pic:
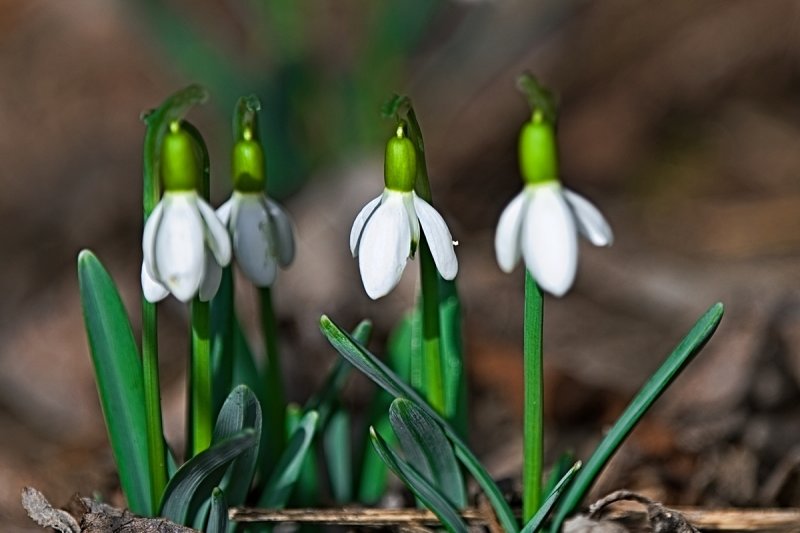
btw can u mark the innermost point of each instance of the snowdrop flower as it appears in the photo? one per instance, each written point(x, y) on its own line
point(185, 245)
point(262, 233)
point(542, 222)
point(387, 230)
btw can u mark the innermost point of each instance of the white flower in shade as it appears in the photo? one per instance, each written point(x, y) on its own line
point(385, 234)
point(185, 247)
point(262, 235)
point(541, 224)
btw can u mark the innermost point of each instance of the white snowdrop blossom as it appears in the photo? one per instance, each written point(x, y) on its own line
point(185, 247)
point(385, 234)
point(541, 224)
point(262, 235)
point(387, 230)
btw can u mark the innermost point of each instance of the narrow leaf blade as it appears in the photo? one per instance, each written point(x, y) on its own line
point(422, 489)
point(218, 516)
point(374, 369)
point(118, 374)
point(650, 392)
point(427, 450)
point(536, 521)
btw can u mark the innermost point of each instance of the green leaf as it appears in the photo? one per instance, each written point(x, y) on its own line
point(338, 449)
point(563, 464)
point(218, 516)
point(374, 369)
point(305, 491)
point(455, 374)
point(681, 356)
point(192, 484)
point(118, 373)
point(223, 323)
point(422, 489)
point(427, 450)
point(550, 501)
point(240, 411)
point(279, 487)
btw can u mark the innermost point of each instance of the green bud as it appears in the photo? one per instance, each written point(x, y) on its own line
point(247, 166)
point(538, 153)
point(400, 165)
point(180, 170)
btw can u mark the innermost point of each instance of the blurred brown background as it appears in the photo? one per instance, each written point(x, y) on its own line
point(680, 119)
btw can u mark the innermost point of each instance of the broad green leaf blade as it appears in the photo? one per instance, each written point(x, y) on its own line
point(681, 356)
point(240, 411)
point(537, 520)
point(279, 487)
point(218, 516)
point(428, 450)
point(422, 489)
point(118, 373)
point(194, 481)
point(338, 449)
point(374, 369)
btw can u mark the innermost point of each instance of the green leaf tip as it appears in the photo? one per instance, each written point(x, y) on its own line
point(540, 98)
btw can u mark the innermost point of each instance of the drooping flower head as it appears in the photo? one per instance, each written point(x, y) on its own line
point(262, 233)
point(542, 222)
point(386, 231)
point(184, 244)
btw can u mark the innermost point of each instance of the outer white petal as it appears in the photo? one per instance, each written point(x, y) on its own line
point(282, 234)
point(217, 238)
point(384, 247)
point(439, 238)
point(224, 211)
point(153, 291)
point(508, 238)
point(179, 248)
point(549, 240)
point(149, 239)
point(211, 280)
point(252, 241)
point(590, 221)
point(361, 219)
point(413, 218)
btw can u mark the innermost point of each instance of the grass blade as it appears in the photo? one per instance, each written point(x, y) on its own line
point(374, 369)
point(426, 449)
point(536, 521)
point(663, 377)
point(118, 374)
point(421, 487)
point(191, 486)
point(279, 487)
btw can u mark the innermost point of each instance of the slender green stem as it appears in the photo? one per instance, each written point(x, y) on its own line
point(200, 379)
point(533, 431)
point(275, 407)
point(431, 345)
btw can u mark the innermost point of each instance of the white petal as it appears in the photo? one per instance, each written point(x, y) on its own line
point(358, 224)
point(217, 238)
point(439, 238)
point(211, 280)
point(153, 291)
point(590, 221)
point(252, 241)
point(149, 239)
point(179, 248)
point(508, 238)
point(224, 211)
point(282, 234)
point(384, 247)
point(413, 219)
point(549, 240)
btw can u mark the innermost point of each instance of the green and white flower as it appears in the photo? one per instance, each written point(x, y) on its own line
point(184, 244)
point(542, 222)
point(387, 230)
